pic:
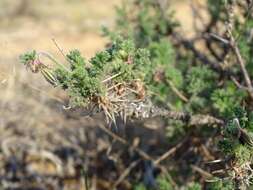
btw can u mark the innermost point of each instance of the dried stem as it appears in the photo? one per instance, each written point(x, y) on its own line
point(202, 172)
point(125, 173)
point(168, 153)
point(52, 59)
point(112, 77)
point(242, 66)
point(59, 48)
point(187, 118)
point(233, 43)
point(177, 92)
point(143, 154)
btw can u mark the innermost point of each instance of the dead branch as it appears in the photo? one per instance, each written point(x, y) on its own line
point(202, 172)
point(169, 152)
point(177, 92)
point(125, 173)
point(234, 46)
point(143, 154)
point(191, 120)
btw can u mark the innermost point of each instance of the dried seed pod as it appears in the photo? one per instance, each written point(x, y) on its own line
point(49, 76)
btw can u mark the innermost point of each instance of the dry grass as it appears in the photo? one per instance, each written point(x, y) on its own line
point(73, 25)
point(31, 114)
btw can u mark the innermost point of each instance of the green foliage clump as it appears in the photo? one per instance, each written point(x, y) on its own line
point(164, 183)
point(245, 43)
point(140, 187)
point(216, 9)
point(238, 137)
point(164, 71)
point(227, 99)
point(221, 184)
point(200, 82)
point(79, 84)
point(242, 153)
point(205, 90)
point(194, 186)
point(145, 21)
point(175, 131)
point(28, 57)
point(85, 80)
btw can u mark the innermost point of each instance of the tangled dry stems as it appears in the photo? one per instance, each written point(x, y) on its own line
point(121, 99)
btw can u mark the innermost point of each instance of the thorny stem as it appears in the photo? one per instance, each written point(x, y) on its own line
point(191, 120)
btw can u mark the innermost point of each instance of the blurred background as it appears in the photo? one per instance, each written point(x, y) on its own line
point(42, 145)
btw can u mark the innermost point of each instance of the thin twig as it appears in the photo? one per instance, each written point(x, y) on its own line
point(238, 84)
point(219, 38)
point(125, 173)
point(168, 153)
point(58, 47)
point(243, 68)
point(177, 92)
point(143, 154)
point(202, 172)
point(233, 43)
point(50, 57)
point(189, 45)
point(112, 77)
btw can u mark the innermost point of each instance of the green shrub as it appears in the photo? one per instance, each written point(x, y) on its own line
point(149, 64)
